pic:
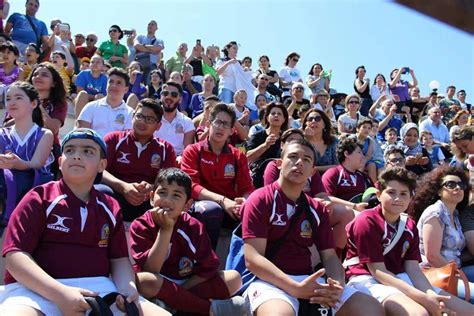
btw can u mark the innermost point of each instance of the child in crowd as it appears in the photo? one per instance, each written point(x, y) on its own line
point(65, 239)
point(435, 152)
point(25, 147)
point(390, 138)
point(173, 254)
point(242, 113)
point(388, 269)
point(62, 61)
point(9, 69)
point(364, 127)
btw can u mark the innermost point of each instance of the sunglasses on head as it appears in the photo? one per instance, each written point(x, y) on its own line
point(316, 118)
point(174, 94)
point(454, 184)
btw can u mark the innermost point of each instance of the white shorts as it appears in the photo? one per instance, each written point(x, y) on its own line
point(370, 286)
point(260, 292)
point(17, 294)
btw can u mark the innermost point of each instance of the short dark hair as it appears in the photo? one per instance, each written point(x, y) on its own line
point(462, 91)
point(173, 84)
point(364, 121)
point(310, 72)
point(398, 174)
point(464, 133)
point(32, 95)
point(347, 144)
point(222, 107)
point(119, 72)
point(153, 105)
point(246, 58)
point(11, 47)
point(450, 87)
point(212, 98)
point(266, 57)
point(302, 142)
point(391, 129)
point(270, 107)
point(225, 50)
point(290, 132)
point(393, 149)
point(357, 69)
point(170, 175)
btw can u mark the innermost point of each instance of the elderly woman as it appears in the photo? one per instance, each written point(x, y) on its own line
point(417, 158)
point(459, 120)
point(112, 51)
point(440, 197)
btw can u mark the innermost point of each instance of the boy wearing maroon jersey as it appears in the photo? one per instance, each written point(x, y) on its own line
point(288, 276)
point(65, 239)
point(134, 158)
point(173, 254)
point(393, 276)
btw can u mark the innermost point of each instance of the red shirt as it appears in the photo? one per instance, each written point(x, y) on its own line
point(341, 183)
point(369, 234)
point(313, 186)
point(131, 162)
point(189, 253)
point(82, 51)
point(227, 174)
point(66, 237)
point(267, 214)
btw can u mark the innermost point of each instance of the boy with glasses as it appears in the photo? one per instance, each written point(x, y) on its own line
point(134, 158)
point(176, 128)
point(220, 173)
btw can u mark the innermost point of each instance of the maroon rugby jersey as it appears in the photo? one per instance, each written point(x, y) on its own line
point(189, 253)
point(341, 183)
point(369, 234)
point(67, 237)
point(267, 214)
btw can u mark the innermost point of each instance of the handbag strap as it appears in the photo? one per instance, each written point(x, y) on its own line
point(400, 229)
point(467, 290)
point(33, 26)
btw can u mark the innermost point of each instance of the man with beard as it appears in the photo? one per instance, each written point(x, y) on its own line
point(176, 128)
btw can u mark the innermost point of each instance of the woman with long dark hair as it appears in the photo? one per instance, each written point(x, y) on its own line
point(362, 88)
point(440, 197)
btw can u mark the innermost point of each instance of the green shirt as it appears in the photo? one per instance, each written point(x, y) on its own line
point(175, 63)
point(109, 49)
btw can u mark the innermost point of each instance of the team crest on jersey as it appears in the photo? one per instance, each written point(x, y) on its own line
point(229, 171)
point(104, 235)
point(406, 245)
point(179, 129)
point(120, 119)
point(123, 157)
point(306, 230)
point(185, 266)
point(59, 224)
point(155, 161)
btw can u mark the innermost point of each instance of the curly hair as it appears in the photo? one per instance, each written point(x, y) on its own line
point(347, 144)
point(328, 135)
point(427, 192)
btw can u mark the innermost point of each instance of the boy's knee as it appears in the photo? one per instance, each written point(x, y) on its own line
point(148, 284)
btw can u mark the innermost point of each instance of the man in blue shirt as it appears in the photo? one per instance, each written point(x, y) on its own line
point(26, 28)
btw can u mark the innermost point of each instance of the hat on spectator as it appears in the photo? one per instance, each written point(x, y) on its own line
point(85, 59)
point(115, 26)
point(405, 128)
point(85, 133)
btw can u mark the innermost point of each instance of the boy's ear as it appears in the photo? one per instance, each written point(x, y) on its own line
point(188, 205)
point(102, 165)
point(158, 126)
point(152, 195)
point(378, 194)
point(278, 163)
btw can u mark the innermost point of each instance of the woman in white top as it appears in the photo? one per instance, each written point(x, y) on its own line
point(379, 87)
point(347, 122)
point(226, 69)
point(289, 74)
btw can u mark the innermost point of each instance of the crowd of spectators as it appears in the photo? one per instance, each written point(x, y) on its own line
point(238, 144)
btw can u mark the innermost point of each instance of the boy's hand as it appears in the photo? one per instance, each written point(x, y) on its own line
point(162, 217)
point(72, 301)
point(131, 294)
point(309, 288)
point(131, 193)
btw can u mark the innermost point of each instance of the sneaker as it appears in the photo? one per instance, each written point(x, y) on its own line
point(233, 306)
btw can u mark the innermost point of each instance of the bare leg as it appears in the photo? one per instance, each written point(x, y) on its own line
point(401, 305)
point(339, 218)
point(22, 310)
point(81, 100)
point(232, 280)
point(275, 308)
point(361, 304)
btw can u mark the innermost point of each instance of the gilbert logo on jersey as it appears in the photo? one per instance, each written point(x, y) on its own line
point(123, 157)
point(59, 224)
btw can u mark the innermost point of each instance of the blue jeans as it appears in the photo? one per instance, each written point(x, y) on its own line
point(469, 272)
point(226, 95)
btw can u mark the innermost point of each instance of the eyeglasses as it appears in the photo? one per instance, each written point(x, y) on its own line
point(396, 160)
point(263, 78)
point(298, 88)
point(317, 118)
point(147, 119)
point(90, 39)
point(451, 185)
point(79, 36)
point(174, 94)
point(113, 30)
point(353, 102)
point(295, 59)
point(219, 123)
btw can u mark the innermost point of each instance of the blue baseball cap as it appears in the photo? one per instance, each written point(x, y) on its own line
point(85, 133)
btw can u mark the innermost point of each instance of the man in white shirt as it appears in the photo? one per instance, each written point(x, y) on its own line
point(110, 113)
point(176, 128)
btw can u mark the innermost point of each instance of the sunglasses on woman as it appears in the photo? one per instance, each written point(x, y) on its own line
point(453, 185)
point(314, 118)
